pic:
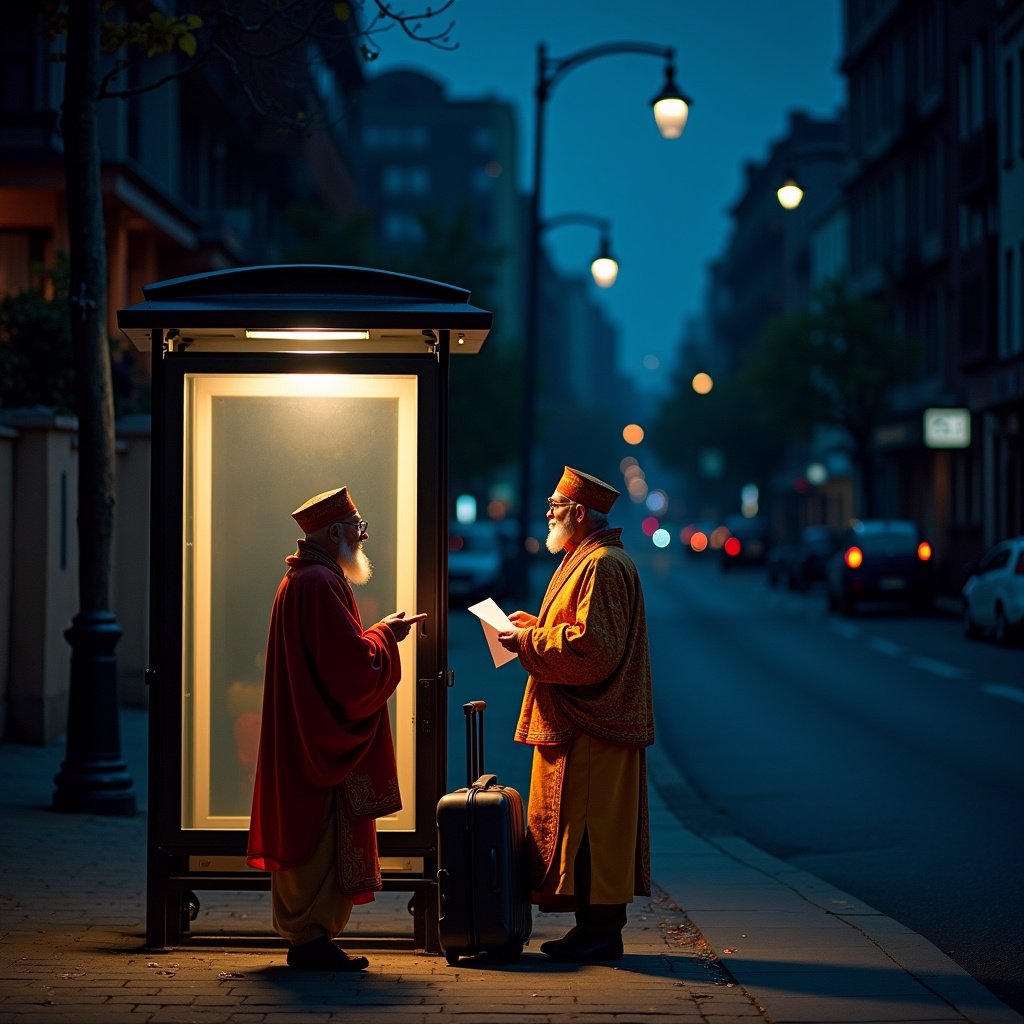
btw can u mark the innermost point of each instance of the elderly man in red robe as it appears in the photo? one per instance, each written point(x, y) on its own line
point(588, 713)
point(326, 765)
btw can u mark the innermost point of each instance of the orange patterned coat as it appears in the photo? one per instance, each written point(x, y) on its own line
point(590, 672)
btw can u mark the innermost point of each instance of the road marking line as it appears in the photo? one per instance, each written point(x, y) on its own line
point(939, 668)
point(883, 646)
point(1002, 690)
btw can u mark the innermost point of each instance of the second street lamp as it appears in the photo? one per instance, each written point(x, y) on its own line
point(671, 109)
point(604, 267)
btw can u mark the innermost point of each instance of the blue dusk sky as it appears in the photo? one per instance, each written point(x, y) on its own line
point(746, 64)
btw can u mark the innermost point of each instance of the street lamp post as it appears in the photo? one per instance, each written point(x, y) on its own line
point(671, 109)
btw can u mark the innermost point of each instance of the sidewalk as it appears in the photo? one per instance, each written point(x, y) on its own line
point(731, 934)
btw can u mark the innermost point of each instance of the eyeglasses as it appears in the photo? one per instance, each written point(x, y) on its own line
point(360, 525)
point(552, 505)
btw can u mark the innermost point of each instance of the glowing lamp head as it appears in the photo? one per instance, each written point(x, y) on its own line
point(790, 194)
point(605, 269)
point(671, 107)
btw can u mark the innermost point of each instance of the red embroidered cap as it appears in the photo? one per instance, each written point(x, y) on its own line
point(587, 490)
point(324, 509)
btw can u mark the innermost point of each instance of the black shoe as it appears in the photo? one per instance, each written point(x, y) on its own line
point(323, 955)
point(585, 949)
point(554, 946)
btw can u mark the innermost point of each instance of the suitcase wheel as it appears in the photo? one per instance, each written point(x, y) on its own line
point(452, 959)
point(507, 954)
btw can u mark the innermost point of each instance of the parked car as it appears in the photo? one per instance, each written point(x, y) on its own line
point(802, 563)
point(476, 562)
point(993, 596)
point(746, 543)
point(882, 560)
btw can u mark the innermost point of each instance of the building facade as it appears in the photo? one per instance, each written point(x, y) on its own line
point(931, 207)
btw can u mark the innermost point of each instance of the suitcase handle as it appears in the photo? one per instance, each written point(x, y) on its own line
point(485, 781)
point(474, 711)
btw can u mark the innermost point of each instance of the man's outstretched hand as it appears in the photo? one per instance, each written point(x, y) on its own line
point(400, 624)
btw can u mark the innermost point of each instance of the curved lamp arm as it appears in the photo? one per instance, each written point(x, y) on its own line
point(604, 267)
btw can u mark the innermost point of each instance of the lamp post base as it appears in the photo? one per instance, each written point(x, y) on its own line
point(93, 778)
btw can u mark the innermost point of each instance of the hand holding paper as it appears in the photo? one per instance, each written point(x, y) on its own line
point(493, 621)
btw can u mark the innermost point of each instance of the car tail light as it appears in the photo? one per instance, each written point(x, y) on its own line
point(732, 546)
point(924, 551)
point(854, 557)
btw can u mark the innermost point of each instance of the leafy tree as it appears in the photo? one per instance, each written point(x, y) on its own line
point(834, 363)
point(35, 343)
point(717, 442)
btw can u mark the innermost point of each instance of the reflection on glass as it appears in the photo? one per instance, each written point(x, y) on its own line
point(256, 446)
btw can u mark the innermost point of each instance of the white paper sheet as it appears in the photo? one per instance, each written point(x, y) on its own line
point(494, 621)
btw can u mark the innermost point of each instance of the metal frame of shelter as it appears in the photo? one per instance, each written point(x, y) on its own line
point(288, 330)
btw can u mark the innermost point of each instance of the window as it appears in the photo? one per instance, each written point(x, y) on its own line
point(20, 90)
point(964, 82)
point(930, 48)
point(401, 227)
point(931, 331)
point(1020, 101)
point(932, 188)
point(484, 139)
point(1017, 341)
point(405, 180)
point(1009, 312)
point(395, 137)
point(1008, 119)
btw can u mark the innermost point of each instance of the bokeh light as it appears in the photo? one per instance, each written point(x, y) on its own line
point(657, 501)
point(632, 433)
point(651, 361)
point(626, 463)
point(649, 526)
point(661, 538)
point(702, 383)
point(698, 541)
point(637, 488)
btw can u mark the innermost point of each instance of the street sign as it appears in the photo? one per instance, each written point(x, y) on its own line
point(947, 428)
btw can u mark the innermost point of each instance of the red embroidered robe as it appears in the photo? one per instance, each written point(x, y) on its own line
point(325, 724)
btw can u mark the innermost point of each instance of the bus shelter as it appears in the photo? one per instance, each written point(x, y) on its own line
point(271, 384)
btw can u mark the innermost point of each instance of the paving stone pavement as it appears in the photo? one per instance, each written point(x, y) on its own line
point(730, 935)
point(72, 930)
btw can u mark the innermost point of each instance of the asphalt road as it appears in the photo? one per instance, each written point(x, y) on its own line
point(883, 753)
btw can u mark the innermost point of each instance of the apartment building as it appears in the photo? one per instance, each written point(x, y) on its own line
point(926, 197)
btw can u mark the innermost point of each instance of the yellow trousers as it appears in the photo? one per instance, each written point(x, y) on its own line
point(308, 901)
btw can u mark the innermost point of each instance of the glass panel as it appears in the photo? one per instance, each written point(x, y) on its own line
point(257, 446)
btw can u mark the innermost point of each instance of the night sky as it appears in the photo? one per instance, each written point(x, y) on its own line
point(745, 63)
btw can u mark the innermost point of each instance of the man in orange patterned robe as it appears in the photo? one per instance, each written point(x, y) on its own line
point(588, 713)
point(326, 764)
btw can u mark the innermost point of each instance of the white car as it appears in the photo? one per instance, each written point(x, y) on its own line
point(993, 596)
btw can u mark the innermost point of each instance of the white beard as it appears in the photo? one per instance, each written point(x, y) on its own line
point(558, 536)
point(357, 567)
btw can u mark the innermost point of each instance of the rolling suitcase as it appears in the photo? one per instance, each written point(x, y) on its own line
point(482, 876)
